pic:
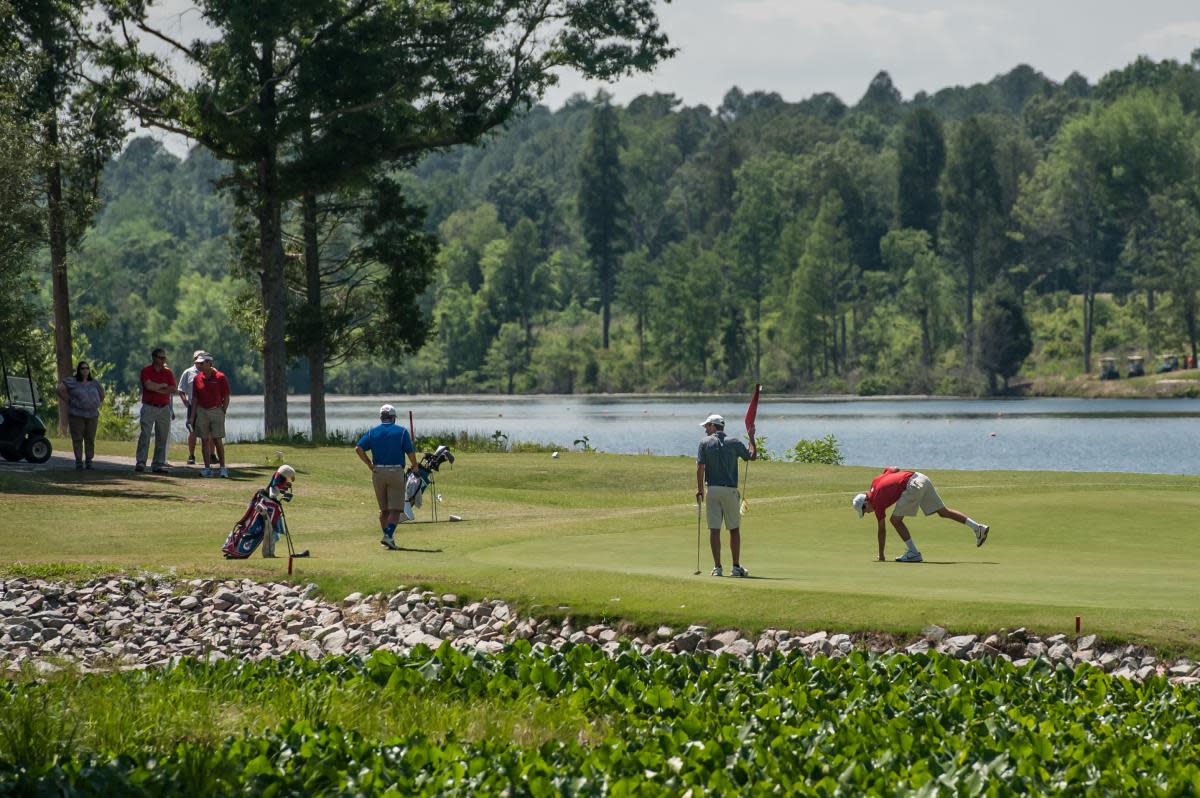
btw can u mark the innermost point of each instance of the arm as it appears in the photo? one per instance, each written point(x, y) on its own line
point(882, 537)
point(225, 397)
point(753, 443)
point(61, 389)
point(100, 391)
point(362, 455)
point(699, 481)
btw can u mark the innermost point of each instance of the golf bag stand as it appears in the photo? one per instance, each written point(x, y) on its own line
point(422, 477)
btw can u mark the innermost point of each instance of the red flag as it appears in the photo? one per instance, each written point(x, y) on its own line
point(752, 410)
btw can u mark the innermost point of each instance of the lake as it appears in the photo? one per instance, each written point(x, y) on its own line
point(1134, 435)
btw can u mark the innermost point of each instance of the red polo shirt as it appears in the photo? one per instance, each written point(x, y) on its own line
point(886, 489)
point(210, 391)
point(155, 375)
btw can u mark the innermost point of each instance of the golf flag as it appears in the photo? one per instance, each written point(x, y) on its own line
point(751, 414)
point(752, 410)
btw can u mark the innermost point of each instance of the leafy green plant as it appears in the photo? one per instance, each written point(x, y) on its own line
point(818, 451)
point(117, 421)
point(584, 444)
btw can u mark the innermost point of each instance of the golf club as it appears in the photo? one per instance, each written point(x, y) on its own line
point(697, 571)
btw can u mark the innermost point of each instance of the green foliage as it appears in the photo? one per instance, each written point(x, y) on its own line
point(818, 451)
point(523, 721)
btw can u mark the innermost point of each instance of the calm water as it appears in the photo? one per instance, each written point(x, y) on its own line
point(1149, 436)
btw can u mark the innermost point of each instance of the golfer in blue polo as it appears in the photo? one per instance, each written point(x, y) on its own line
point(388, 443)
point(717, 468)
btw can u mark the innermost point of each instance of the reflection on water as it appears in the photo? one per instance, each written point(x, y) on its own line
point(1151, 436)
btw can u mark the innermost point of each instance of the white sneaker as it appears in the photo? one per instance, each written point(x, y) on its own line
point(738, 570)
point(981, 534)
point(206, 472)
point(390, 543)
point(224, 472)
point(408, 511)
point(910, 556)
point(716, 571)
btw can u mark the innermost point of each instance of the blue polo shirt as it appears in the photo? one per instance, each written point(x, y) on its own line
point(389, 441)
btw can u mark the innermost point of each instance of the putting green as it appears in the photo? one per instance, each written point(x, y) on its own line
point(604, 535)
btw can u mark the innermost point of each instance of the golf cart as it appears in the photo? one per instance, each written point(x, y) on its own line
point(1137, 367)
point(22, 433)
point(1169, 363)
point(1108, 369)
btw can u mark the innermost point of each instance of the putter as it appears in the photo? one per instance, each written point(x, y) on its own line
point(697, 572)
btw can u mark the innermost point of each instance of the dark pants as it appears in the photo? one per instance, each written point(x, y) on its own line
point(83, 436)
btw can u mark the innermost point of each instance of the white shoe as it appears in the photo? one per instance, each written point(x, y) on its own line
point(910, 556)
point(224, 472)
point(206, 472)
point(738, 570)
point(408, 511)
point(716, 571)
point(390, 543)
point(981, 534)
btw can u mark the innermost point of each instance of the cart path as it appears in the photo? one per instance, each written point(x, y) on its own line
point(65, 461)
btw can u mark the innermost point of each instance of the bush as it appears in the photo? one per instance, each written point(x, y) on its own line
point(875, 385)
point(820, 451)
point(117, 422)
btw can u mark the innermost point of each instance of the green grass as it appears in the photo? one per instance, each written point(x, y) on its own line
point(615, 536)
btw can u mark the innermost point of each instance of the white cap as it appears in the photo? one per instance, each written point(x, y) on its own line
point(388, 411)
point(196, 355)
point(714, 419)
point(201, 356)
point(858, 503)
point(287, 472)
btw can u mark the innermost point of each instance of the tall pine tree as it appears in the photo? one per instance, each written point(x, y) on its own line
point(602, 208)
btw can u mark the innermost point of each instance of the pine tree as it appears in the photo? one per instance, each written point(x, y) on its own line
point(602, 208)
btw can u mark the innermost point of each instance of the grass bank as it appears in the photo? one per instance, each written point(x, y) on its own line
point(1174, 385)
point(615, 536)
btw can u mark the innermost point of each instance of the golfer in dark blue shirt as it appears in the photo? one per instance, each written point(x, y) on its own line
point(389, 443)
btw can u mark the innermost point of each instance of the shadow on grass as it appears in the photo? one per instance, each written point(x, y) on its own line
point(95, 484)
point(418, 551)
point(953, 562)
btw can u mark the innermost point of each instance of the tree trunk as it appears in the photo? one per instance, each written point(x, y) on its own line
point(1089, 300)
point(606, 295)
point(1149, 324)
point(60, 294)
point(926, 341)
point(270, 223)
point(316, 349)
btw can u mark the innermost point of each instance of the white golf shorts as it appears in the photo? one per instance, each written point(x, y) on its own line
point(723, 502)
point(918, 495)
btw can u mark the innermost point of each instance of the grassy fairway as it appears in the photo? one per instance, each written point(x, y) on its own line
point(608, 535)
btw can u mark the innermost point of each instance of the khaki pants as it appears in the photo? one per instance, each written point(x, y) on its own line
point(723, 501)
point(389, 487)
point(918, 494)
point(83, 436)
point(157, 421)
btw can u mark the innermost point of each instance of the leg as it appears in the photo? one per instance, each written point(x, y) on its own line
point(953, 515)
point(145, 427)
point(206, 450)
point(220, 444)
point(191, 443)
point(901, 528)
point(714, 542)
point(89, 439)
point(735, 545)
point(980, 530)
point(162, 435)
point(76, 425)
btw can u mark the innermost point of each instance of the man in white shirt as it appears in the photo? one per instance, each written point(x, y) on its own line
point(185, 390)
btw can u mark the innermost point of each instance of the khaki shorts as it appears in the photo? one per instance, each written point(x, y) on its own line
point(389, 487)
point(210, 423)
point(919, 494)
point(724, 502)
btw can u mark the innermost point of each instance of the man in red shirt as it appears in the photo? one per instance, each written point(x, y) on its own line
point(210, 394)
point(909, 491)
point(158, 386)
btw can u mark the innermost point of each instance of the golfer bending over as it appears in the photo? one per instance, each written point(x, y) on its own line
point(717, 466)
point(909, 491)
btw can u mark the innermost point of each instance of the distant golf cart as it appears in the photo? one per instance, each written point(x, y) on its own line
point(1108, 369)
point(1169, 363)
point(1137, 366)
point(22, 433)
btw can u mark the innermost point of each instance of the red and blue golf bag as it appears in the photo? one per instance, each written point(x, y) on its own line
point(263, 518)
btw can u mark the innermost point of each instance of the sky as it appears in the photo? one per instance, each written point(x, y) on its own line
point(798, 48)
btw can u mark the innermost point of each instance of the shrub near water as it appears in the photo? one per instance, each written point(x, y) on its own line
point(656, 725)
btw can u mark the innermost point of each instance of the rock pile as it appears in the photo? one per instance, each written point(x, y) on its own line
point(141, 622)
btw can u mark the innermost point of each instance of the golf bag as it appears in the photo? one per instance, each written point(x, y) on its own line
point(263, 522)
point(422, 478)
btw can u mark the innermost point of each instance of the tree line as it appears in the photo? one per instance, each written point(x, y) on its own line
point(355, 238)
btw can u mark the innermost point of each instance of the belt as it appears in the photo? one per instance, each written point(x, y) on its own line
point(379, 467)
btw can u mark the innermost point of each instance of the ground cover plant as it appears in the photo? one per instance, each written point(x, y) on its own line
point(592, 535)
point(577, 722)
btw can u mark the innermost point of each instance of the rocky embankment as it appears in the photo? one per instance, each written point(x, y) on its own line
point(143, 622)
